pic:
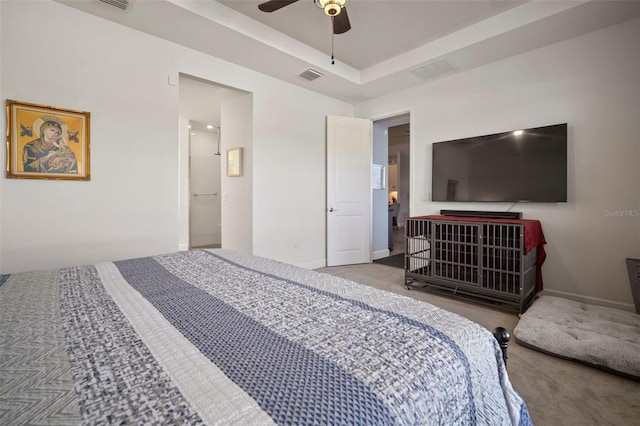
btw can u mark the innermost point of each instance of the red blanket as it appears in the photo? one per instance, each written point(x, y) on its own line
point(533, 236)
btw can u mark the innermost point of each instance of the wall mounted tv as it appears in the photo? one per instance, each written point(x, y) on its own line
point(521, 165)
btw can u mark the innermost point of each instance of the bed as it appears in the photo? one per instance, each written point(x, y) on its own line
point(222, 337)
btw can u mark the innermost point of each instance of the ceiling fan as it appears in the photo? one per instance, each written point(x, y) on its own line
point(336, 9)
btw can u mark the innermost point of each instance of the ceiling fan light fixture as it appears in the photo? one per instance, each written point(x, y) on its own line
point(331, 7)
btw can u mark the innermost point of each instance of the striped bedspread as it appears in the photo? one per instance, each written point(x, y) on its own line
point(221, 337)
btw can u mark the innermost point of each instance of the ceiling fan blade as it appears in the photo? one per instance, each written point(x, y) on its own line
point(273, 5)
point(341, 22)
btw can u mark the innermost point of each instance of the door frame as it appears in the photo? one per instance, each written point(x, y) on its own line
point(231, 212)
point(389, 116)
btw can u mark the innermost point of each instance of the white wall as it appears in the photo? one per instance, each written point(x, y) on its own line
point(592, 82)
point(130, 207)
point(237, 191)
point(184, 184)
point(4, 121)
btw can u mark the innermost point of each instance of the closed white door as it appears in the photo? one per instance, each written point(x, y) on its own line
point(205, 207)
point(349, 159)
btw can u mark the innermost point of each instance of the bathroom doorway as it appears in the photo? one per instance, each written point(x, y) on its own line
point(205, 207)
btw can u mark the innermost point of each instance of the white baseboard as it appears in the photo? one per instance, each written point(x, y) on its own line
point(380, 254)
point(183, 247)
point(321, 263)
point(315, 264)
point(591, 300)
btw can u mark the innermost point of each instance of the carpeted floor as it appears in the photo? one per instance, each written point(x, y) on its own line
point(557, 391)
point(397, 260)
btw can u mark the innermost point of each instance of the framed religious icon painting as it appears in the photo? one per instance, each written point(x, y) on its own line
point(234, 162)
point(45, 142)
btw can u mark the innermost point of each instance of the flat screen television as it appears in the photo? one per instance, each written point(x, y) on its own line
point(523, 165)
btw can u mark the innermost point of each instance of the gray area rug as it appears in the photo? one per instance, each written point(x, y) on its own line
point(397, 260)
point(598, 336)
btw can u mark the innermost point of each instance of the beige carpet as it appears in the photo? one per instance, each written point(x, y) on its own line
point(557, 391)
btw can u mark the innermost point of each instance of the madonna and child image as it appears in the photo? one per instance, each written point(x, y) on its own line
point(49, 153)
point(46, 142)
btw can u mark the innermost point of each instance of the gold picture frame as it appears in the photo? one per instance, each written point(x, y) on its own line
point(234, 162)
point(45, 142)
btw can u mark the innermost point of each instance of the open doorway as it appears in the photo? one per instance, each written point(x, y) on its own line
point(200, 111)
point(399, 172)
point(205, 207)
point(392, 136)
point(215, 209)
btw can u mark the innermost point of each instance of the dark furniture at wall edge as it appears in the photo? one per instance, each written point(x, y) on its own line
point(492, 260)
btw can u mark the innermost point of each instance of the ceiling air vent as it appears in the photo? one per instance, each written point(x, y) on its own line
point(432, 69)
point(310, 74)
point(120, 4)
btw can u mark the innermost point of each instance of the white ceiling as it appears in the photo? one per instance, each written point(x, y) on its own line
point(380, 29)
point(393, 44)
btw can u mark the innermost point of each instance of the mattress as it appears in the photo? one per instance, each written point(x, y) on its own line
point(222, 337)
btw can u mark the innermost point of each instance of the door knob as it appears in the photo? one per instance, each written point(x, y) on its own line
point(333, 210)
